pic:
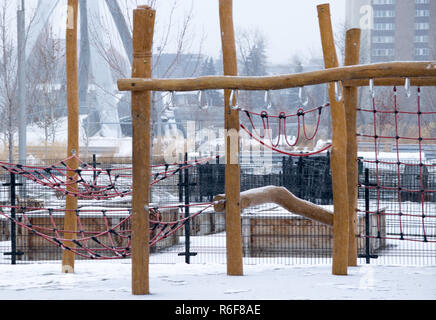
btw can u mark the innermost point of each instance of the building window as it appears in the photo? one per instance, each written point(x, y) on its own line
point(383, 39)
point(422, 52)
point(384, 26)
point(422, 1)
point(422, 26)
point(383, 1)
point(385, 13)
point(382, 52)
point(422, 13)
point(421, 39)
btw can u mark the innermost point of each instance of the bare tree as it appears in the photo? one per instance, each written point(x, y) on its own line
point(251, 49)
point(45, 81)
point(8, 79)
point(174, 39)
point(9, 73)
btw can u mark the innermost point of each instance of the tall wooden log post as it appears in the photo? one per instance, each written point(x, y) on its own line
point(232, 126)
point(70, 222)
point(143, 30)
point(352, 57)
point(339, 150)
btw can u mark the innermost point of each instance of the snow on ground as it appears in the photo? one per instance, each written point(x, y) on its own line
point(111, 281)
point(207, 280)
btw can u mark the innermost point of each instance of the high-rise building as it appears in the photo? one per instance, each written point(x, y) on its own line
point(395, 30)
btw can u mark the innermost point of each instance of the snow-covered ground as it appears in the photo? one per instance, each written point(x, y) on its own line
point(111, 281)
point(206, 279)
point(99, 280)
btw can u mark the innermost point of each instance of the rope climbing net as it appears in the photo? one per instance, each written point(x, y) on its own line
point(113, 241)
point(410, 211)
point(106, 239)
point(88, 182)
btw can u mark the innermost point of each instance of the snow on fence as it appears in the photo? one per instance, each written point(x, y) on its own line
point(270, 234)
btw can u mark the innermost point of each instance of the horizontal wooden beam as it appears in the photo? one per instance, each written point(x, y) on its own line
point(391, 73)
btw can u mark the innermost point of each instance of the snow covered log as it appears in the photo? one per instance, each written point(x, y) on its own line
point(282, 197)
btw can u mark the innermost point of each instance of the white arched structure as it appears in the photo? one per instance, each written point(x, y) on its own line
point(93, 67)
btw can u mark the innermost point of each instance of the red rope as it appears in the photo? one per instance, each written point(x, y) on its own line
point(91, 190)
point(298, 132)
point(400, 188)
point(82, 245)
point(302, 154)
point(301, 113)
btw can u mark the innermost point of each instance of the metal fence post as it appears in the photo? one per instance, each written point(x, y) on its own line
point(368, 256)
point(13, 197)
point(180, 184)
point(300, 180)
point(94, 165)
point(367, 244)
point(187, 185)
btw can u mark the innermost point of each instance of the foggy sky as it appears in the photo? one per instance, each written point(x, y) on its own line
point(290, 26)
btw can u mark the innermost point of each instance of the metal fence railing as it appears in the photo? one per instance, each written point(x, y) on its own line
point(270, 234)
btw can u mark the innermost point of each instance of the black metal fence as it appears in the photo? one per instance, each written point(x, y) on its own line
point(397, 203)
point(270, 234)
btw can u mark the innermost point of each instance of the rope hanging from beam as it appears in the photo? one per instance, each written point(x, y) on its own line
point(282, 120)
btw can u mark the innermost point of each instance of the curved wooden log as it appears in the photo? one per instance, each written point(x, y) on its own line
point(282, 197)
point(395, 70)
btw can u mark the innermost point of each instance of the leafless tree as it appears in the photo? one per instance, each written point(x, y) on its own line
point(251, 45)
point(8, 79)
point(174, 36)
point(45, 83)
point(8, 73)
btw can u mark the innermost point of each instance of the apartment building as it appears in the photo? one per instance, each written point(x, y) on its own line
point(400, 30)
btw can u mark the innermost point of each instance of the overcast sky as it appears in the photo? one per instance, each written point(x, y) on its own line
point(290, 26)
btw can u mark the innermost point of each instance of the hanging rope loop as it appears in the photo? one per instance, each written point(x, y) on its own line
point(371, 88)
point(233, 101)
point(338, 91)
point(303, 98)
point(407, 87)
point(268, 100)
point(203, 101)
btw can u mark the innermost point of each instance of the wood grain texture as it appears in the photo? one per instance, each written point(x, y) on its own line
point(232, 127)
point(282, 197)
point(352, 57)
point(70, 222)
point(143, 31)
point(385, 74)
point(339, 149)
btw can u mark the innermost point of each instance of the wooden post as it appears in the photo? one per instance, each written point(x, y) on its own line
point(352, 57)
point(70, 222)
point(339, 150)
point(232, 126)
point(143, 30)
